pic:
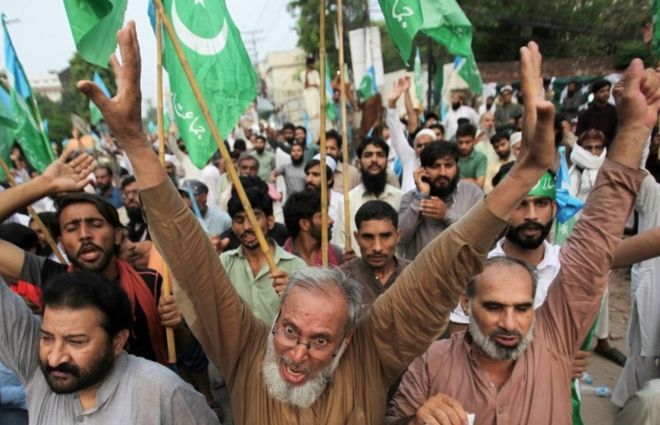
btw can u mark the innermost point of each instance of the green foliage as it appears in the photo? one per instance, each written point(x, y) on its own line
point(81, 70)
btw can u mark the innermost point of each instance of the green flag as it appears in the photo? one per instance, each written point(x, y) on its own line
point(7, 126)
point(329, 104)
point(215, 51)
point(656, 29)
point(470, 74)
point(95, 113)
point(36, 148)
point(419, 84)
point(443, 21)
point(94, 25)
point(368, 87)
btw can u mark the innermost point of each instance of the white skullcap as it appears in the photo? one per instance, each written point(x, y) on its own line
point(170, 158)
point(426, 132)
point(329, 161)
point(515, 138)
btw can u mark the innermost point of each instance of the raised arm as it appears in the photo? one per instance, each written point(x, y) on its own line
point(399, 142)
point(218, 317)
point(638, 248)
point(416, 309)
point(587, 256)
point(411, 113)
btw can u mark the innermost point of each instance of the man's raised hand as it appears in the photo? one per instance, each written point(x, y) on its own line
point(122, 113)
point(400, 86)
point(538, 142)
point(69, 176)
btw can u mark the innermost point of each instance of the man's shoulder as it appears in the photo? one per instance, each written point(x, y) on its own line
point(469, 190)
point(153, 374)
point(287, 259)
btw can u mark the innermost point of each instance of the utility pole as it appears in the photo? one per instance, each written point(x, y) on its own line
point(251, 39)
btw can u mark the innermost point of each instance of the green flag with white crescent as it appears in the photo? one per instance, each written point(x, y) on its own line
point(329, 104)
point(221, 65)
point(94, 25)
point(419, 84)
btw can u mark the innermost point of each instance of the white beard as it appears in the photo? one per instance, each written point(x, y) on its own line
point(303, 395)
point(493, 349)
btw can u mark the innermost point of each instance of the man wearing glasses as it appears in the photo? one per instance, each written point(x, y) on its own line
point(317, 364)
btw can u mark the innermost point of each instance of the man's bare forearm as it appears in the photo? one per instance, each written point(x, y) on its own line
point(19, 197)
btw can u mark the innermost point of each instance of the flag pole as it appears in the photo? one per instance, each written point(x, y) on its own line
point(344, 128)
point(35, 217)
point(166, 288)
point(323, 167)
point(229, 164)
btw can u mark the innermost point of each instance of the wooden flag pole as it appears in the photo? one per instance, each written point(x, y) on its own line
point(323, 167)
point(344, 128)
point(166, 288)
point(35, 217)
point(229, 164)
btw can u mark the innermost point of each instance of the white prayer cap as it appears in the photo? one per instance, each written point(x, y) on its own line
point(170, 158)
point(425, 132)
point(329, 161)
point(505, 88)
point(515, 138)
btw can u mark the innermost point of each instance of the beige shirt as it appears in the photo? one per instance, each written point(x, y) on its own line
point(401, 325)
point(538, 390)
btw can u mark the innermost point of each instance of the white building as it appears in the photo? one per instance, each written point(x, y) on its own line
point(48, 85)
point(281, 73)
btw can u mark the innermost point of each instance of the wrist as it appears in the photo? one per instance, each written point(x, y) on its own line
point(391, 103)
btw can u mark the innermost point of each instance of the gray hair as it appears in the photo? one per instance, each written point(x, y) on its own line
point(324, 280)
point(507, 261)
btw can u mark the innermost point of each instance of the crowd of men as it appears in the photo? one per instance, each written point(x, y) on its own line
point(453, 299)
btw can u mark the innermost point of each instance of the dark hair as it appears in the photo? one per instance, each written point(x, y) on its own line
point(49, 219)
point(246, 157)
point(599, 84)
point(107, 168)
point(498, 136)
point(438, 126)
point(373, 141)
point(257, 193)
point(313, 162)
point(430, 115)
point(126, 181)
point(332, 134)
point(83, 288)
point(300, 205)
point(288, 126)
point(503, 171)
point(105, 208)
point(260, 137)
point(19, 235)
point(300, 127)
point(592, 133)
point(239, 145)
point(303, 145)
point(436, 150)
point(504, 260)
point(376, 210)
point(466, 129)
point(461, 121)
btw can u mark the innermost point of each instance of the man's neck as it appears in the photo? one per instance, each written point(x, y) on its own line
point(107, 192)
point(498, 371)
point(203, 209)
point(530, 256)
point(383, 274)
point(111, 271)
point(255, 258)
point(306, 246)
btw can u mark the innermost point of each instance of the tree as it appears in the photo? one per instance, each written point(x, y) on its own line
point(81, 70)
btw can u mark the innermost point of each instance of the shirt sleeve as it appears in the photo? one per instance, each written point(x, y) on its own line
point(399, 142)
point(187, 406)
point(415, 310)
point(218, 317)
point(409, 217)
point(19, 334)
point(574, 298)
point(482, 164)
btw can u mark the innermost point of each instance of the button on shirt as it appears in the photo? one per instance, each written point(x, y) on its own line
point(137, 391)
point(258, 290)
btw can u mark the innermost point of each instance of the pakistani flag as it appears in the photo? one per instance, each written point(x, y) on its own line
point(419, 84)
point(468, 71)
point(95, 113)
point(94, 25)
point(215, 51)
point(368, 87)
point(329, 104)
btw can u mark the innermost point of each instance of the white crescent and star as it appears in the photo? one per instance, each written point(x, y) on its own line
point(201, 45)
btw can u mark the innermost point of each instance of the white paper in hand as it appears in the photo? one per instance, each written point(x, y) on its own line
point(470, 418)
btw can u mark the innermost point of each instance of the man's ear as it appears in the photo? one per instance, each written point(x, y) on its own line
point(465, 303)
point(271, 223)
point(304, 224)
point(119, 235)
point(119, 341)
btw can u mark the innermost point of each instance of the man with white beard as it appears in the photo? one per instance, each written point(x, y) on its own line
point(514, 364)
point(317, 320)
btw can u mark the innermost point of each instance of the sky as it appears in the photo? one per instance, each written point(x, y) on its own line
point(43, 39)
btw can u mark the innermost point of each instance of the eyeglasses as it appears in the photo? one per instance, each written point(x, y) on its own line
point(316, 346)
